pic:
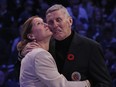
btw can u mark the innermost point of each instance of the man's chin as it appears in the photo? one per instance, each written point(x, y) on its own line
point(58, 38)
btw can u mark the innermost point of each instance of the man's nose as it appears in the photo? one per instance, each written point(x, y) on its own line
point(55, 24)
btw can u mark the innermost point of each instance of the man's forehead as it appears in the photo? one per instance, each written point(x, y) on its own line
point(54, 15)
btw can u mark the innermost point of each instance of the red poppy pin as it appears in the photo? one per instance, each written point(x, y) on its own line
point(70, 57)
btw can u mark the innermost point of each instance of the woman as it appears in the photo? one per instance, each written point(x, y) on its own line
point(38, 68)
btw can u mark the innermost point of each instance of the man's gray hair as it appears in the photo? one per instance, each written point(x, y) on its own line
point(57, 7)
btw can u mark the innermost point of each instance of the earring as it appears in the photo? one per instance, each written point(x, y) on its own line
point(33, 37)
point(35, 40)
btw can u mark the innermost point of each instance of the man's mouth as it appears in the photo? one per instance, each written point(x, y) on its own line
point(58, 31)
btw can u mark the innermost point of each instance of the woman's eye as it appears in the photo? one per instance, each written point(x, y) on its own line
point(40, 23)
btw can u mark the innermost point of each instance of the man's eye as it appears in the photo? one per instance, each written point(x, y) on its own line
point(59, 20)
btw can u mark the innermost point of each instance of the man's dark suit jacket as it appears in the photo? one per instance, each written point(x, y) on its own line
point(86, 57)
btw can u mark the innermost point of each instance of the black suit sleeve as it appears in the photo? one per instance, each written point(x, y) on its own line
point(17, 69)
point(18, 64)
point(98, 70)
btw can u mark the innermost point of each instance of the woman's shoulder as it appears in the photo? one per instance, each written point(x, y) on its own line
point(40, 51)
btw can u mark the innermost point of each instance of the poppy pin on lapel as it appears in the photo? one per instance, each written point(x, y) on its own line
point(70, 57)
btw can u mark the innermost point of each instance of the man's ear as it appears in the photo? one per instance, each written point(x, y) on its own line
point(70, 20)
point(30, 36)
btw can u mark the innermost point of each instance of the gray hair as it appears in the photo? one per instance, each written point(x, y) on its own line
point(57, 7)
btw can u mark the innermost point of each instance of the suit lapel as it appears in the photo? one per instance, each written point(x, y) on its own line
point(71, 60)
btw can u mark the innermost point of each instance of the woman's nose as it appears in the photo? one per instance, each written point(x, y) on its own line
point(45, 24)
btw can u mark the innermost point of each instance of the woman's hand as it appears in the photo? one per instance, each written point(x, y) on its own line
point(29, 47)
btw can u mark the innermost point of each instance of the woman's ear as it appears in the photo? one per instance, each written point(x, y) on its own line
point(31, 37)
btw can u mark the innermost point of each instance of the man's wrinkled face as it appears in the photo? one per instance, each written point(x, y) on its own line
point(59, 23)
